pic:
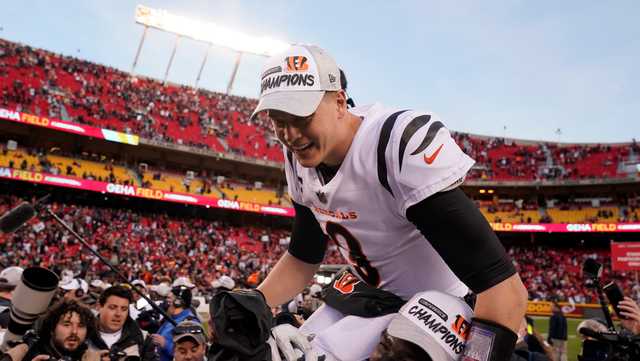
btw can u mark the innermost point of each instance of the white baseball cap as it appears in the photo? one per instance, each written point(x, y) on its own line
point(183, 281)
point(162, 289)
point(295, 80)
point(437, 322)
point(139, 283)
point(224, 282)
point(69, 284)
point(97, 283)
point(10, 276)
point(315, 289)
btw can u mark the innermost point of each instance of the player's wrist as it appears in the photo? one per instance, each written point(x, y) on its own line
point(489, 340)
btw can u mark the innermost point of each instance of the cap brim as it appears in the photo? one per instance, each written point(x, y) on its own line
point(7, 286)
point(402, 328)
point(198, 339)
point(298, 103)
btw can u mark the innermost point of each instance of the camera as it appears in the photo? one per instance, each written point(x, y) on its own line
point(31, 298)
point(121, 356)
point(610, 345)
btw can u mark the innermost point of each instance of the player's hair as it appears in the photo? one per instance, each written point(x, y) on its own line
point(343, 86)
point(343, 80)
point(118, 291)
point(403, 350)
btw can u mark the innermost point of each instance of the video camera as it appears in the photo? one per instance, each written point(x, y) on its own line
point(610, 345)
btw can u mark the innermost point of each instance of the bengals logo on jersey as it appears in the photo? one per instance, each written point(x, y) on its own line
point(346, 283)
point(297, 63)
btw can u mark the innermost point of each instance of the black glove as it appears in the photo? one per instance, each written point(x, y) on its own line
point(242, 322)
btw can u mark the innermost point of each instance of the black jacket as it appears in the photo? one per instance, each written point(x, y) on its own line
point(46, 347)
point(132, 343)
point(558, 326)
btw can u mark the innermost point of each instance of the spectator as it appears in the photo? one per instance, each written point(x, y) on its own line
point(558, 333)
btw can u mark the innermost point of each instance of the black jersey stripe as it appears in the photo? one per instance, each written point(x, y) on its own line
point(293, 166)
point(431, 134)
point(383, 141)
point(414, 125)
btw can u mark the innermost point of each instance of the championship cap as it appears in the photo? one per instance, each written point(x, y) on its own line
point(437, 322)
point(295, 80)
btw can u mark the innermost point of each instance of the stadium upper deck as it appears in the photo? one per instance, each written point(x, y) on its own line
point(43, 83)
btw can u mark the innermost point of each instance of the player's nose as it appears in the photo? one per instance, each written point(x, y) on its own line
point(291, 134)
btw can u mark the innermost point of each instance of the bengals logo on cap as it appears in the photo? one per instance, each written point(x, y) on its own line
point(297, 63)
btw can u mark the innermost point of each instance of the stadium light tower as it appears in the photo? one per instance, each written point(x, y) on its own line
point(206, 32)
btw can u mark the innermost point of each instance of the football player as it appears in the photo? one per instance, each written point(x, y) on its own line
point(382, 185)
point(430, 326)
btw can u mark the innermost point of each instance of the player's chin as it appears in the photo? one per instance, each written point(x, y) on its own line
point(309, 158)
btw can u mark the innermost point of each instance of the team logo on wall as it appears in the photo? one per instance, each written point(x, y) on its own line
point(297, 63)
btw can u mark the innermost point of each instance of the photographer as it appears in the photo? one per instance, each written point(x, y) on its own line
point(179, 301)
point(117, 332)
point(63, 333)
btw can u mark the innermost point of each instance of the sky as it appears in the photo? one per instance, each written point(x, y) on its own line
point(515, 68)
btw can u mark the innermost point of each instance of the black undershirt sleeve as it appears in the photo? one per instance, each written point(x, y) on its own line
point(308, 242)
point(464, 239)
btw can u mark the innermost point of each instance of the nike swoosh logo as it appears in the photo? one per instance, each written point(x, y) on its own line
point(433, 156)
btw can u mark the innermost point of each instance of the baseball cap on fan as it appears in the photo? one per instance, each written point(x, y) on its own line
point(295, 80)
point(437, 322)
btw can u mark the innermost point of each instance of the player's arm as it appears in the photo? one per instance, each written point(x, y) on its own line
point(298, 265)
point(464, 239)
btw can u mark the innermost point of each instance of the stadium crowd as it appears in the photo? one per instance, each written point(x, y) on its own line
point(46, 84)
point(153, 247)
point(157, 248)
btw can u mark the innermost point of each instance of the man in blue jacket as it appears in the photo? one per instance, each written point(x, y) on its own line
point(179, 301)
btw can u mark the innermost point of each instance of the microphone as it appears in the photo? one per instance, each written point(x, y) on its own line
point(16, 217)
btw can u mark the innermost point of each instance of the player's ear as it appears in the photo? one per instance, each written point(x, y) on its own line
point(341, 103)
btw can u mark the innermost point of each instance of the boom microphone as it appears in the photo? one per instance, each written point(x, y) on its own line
point(16, 217)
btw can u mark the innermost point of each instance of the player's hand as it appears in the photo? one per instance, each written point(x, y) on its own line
point(289, 338)
point(629, 309)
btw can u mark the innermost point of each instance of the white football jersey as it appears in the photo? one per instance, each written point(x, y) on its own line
point(396, 159)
